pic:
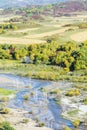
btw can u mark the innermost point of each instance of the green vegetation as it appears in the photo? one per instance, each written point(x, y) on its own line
point(25, 121)
point(68, 56)
point(41, 124)
point(73, 92)
point(76, 123)
point(6, 92)
point(8, 26)
point(81, 25)
point(56, 91)
point(56, 58)
point(73, 112)
point(4, 111)
point(85, 100)
point(50, 61)
point(26, 97)
point(66, 128)
point(4, 99)
point(6, 126)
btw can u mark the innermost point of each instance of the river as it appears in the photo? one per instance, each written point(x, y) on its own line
point(39, 105)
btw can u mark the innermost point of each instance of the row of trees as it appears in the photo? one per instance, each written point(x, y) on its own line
point(70, 55)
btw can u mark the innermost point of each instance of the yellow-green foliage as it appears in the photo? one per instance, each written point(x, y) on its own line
point(8, 26)
point(26, 97)
point(76, 123)
point(56, 91)
point(85, 100)
point(66, 128)
point(25, 121)
point(1, 119)
point(6, 92)
point(73, 92)
point(4, 111)
point(4, 99)
point(6, 126)
point(68, 56)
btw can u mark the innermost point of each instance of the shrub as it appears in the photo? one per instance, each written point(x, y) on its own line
point(41, 124)
point(73, 92)
point(4, 111)
point(56, 91)
point(66, 128)
point(76, 123)
point(6, 126)
point(25, 121)
point(4, 99)
point(85, 101)
point(26, 97)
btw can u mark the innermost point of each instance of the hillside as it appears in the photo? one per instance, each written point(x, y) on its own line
point(22, 3)
point(62, 6)
point(71, 6)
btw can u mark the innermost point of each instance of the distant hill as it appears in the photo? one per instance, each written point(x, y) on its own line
point(61, 6)
point(22, 3)
point(72, 6)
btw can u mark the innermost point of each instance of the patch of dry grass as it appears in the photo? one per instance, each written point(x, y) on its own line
point(79, 37)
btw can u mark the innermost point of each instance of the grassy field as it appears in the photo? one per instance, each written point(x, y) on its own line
point(79, 37)
point(34, 31)
point(41, 71)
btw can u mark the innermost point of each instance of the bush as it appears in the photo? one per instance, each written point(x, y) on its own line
point(25, 121)
point(85, 101)
point(6, 126)
point(4, 111)
point(41, 124)
point(26, 97)
point(76, 123)
point(56, 91)
point(73, 92)
point(66, 128)
point(4, 99)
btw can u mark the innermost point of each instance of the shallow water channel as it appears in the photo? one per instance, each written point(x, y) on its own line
point(39, 105)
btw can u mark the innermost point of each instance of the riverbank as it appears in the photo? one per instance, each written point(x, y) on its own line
point(20, 122)
point(71, 96)
point(41, 71)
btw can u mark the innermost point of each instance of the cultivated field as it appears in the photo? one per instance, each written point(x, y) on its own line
point(36, 31)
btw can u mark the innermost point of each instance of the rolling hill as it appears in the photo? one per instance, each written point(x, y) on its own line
point(62, 6)
point(21, 3)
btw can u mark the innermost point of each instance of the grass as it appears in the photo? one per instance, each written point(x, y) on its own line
point(28, 34)
point(32, 70)
point(6, 92)
point(73, 112)
point(25, 36)
point(42, 71)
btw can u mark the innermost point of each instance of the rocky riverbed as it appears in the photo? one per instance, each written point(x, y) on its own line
point(40, 106)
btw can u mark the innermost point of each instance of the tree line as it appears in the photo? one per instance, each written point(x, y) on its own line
point(70, 55)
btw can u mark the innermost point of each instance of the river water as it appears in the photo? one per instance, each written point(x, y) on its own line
point(39, 105)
